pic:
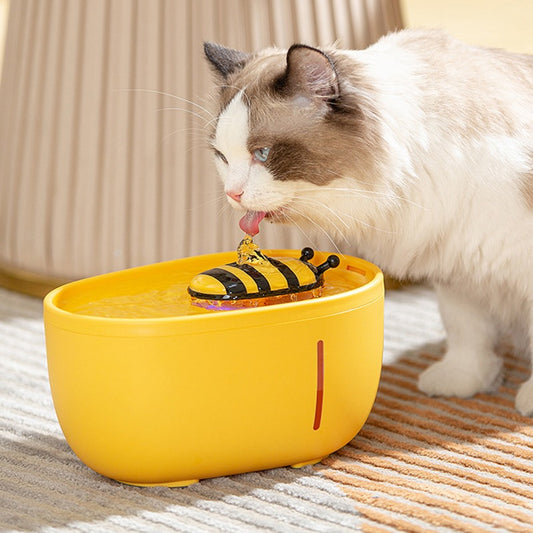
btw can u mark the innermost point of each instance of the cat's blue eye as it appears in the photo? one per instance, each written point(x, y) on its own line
point(261, 154)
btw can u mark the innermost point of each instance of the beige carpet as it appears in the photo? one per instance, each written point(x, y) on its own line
point(419, 464)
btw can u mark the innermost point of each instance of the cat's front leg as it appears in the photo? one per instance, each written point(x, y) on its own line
point(524, 397)
point(470, 364)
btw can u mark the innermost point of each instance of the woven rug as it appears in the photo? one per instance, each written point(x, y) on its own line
point(419, 464)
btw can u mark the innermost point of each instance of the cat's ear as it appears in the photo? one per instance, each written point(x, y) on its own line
point(224, 60)
point(310, 73)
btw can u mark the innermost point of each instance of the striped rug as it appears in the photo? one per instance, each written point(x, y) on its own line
point(425, 464)
point(419, 464)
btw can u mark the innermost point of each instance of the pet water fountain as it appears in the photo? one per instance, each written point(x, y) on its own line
point(163, 376)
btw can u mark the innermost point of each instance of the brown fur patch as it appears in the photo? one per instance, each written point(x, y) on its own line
point(259, 73)
point(308, 141)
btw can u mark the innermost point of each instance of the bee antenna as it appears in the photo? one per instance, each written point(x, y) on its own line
point(332, 261)
point(307, 254)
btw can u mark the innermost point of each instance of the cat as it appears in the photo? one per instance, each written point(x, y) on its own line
point(419, 151)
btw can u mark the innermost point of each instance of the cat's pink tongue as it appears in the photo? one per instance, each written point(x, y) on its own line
point(249, 223)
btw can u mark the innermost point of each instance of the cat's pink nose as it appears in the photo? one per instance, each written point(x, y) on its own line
point(235, 195)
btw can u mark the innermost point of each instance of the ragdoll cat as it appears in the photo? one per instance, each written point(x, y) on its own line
point(419, 151)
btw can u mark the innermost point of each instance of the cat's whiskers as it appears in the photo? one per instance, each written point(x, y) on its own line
point(210, 203)
point(196, 146)
point(334, 214)
point(358, 180)
point(307, 236)
point(223, 208)
point(364, 193)
point(211, 123)
point(170, 95)
point(341, 233)
point(219, 201)
point(330, 210)
point(324, 232)
point(361, 182)
point(352, 217)
point(313, 223)
point(200, 138)
point(193, 113)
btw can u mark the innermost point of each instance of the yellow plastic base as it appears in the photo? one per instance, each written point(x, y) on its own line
point(307, 463)
point(184, 483)
point(155, 400)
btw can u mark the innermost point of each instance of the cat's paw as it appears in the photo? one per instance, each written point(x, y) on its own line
point(524, 399)
point(461, 376)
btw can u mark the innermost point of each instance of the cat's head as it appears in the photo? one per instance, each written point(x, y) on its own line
point(295, 131)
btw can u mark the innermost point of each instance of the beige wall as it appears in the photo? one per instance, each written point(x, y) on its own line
point(496, 23)
point(499, 23)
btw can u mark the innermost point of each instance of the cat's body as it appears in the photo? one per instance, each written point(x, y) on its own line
point(419, 151)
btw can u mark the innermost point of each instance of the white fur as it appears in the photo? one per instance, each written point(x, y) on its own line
point(472, 236)
point(242, 173)
point(450, 210)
